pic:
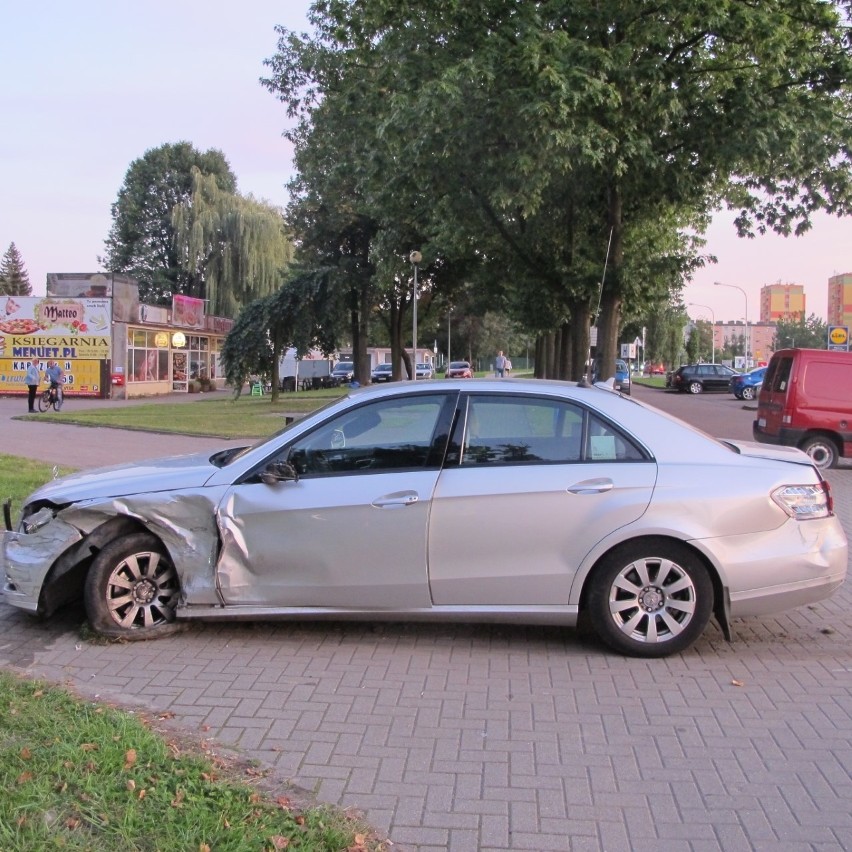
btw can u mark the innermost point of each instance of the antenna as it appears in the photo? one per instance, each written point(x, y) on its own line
point(588, 377)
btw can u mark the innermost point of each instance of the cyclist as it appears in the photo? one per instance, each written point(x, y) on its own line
point(55, 374)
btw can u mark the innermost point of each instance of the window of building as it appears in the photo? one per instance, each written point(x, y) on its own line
point(146, 362)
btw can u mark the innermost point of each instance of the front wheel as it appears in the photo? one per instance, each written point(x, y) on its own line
point(695, 387)
point(650, 599)
point(44, 401)
point(132, 589)
point(822, 450)
point(748, 393)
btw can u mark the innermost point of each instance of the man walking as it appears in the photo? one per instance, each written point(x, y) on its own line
point(500, 364)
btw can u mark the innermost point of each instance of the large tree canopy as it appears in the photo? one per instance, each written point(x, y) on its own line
point(527, 137)
point(141, 241)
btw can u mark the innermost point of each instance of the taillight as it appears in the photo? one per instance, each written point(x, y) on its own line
point(804, 502)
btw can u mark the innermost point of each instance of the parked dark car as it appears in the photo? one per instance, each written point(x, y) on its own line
point(697, 378)
point(747, 385)
point(382, 373)
point(344, 371)
point(459, 370)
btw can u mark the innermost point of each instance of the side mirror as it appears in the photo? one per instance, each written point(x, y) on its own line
point(280, 471)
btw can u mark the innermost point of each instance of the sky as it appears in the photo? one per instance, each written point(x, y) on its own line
point(88, 87)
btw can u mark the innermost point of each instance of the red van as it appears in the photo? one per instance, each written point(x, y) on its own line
point(806, 402)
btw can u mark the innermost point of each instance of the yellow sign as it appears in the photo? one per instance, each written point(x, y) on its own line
point(57, 346)
point(178, 339)
point(839, 335)
point(161, 341)
point(82, 378)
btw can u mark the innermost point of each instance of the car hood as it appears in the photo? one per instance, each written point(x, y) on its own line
point(755, 450)
point(155, 475)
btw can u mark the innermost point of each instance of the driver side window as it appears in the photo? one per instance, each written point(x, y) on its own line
point(386, 435)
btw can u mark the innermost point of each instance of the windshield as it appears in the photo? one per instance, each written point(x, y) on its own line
point(344, 366)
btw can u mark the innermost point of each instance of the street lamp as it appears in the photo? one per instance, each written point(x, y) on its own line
point(713, 330)
point(415, 257)
point(745, 296)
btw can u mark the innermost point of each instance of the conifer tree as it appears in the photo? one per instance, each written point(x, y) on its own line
point(14, 278)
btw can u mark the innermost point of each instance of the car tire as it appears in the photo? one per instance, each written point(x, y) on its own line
point(650, 598)
point(132, 589)
point(822, 450)
point(695, 387)
point(748, 393)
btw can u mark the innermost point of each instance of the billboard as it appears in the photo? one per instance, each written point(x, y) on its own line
point(75, 332)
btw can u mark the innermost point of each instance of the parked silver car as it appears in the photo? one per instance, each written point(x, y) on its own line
point(521, 501)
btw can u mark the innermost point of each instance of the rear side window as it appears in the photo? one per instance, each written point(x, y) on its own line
point(501, 430)
point(777, 378)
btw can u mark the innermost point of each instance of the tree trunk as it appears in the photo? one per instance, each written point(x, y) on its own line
point(581, 316)
point(609, 317)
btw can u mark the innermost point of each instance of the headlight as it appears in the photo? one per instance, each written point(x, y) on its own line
point(38, 520)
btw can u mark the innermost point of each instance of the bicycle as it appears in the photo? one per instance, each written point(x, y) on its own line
point(50, 396)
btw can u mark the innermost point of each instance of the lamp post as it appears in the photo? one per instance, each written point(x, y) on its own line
point(415, 257)
point(745, 296)
point(712, 331)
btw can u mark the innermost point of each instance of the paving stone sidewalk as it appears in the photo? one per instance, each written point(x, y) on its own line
point(500, 738)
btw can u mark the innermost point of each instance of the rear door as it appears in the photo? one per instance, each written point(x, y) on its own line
point(531, 484)
point(773, 395)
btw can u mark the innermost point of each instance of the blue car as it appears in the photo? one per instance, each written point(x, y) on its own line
point(747, 385)
point(622, 376)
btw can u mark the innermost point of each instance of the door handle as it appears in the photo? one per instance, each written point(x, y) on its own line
point(400, 498)
point(592, 486)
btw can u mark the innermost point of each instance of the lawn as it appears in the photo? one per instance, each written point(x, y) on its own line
point(219, 416)
point(78, 775)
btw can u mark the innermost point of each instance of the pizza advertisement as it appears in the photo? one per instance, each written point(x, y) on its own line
point(76, 332)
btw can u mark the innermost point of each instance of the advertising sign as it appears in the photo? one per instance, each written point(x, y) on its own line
point(73, 332)
point(188, 312)
point(838, 338)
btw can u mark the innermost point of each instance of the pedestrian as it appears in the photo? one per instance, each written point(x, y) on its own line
point(508, 368)
point(33, 378)
point(500, 364)
point(54, 375)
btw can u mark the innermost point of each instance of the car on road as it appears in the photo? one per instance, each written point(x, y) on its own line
point(622, 376)
point(459, 370)
point(746, 385)
point(343, 372)
point(382, 373)
point(424, 371)
point(697, 378)
point(382, 506)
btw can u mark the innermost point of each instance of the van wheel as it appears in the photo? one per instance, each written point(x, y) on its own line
point(822, 450)
point(695, 387)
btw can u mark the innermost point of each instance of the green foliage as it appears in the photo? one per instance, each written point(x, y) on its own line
point(236, 245)
point(141, 241)
point(267, 327)
point(512, 142)
point(14, 279)
point(810, 333)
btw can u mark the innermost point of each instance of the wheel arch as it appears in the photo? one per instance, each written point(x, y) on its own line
point(65, 579)
point(721, 597)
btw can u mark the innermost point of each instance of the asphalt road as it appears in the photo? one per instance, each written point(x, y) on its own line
point(467, 737)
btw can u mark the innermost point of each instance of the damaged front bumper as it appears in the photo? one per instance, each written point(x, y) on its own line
point(26, 557)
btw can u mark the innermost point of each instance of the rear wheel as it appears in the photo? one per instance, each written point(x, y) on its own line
point(695, 387)
point(132, 589)
point(650, 599)
point(822, 450)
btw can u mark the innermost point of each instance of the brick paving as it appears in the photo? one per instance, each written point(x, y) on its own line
point(457, 737)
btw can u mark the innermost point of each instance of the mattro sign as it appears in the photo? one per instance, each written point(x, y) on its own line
point(838, 338)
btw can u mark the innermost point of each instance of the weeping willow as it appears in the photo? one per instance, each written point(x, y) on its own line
point(234, 247)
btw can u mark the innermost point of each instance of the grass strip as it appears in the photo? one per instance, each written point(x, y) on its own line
point(77, 775)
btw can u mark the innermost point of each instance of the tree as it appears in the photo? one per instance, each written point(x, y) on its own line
point(534, 135)
point(14, 279)
point(141, 241)
point(236, 247)
point(810, 333)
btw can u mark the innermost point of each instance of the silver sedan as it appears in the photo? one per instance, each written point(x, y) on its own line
point(513, 501)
